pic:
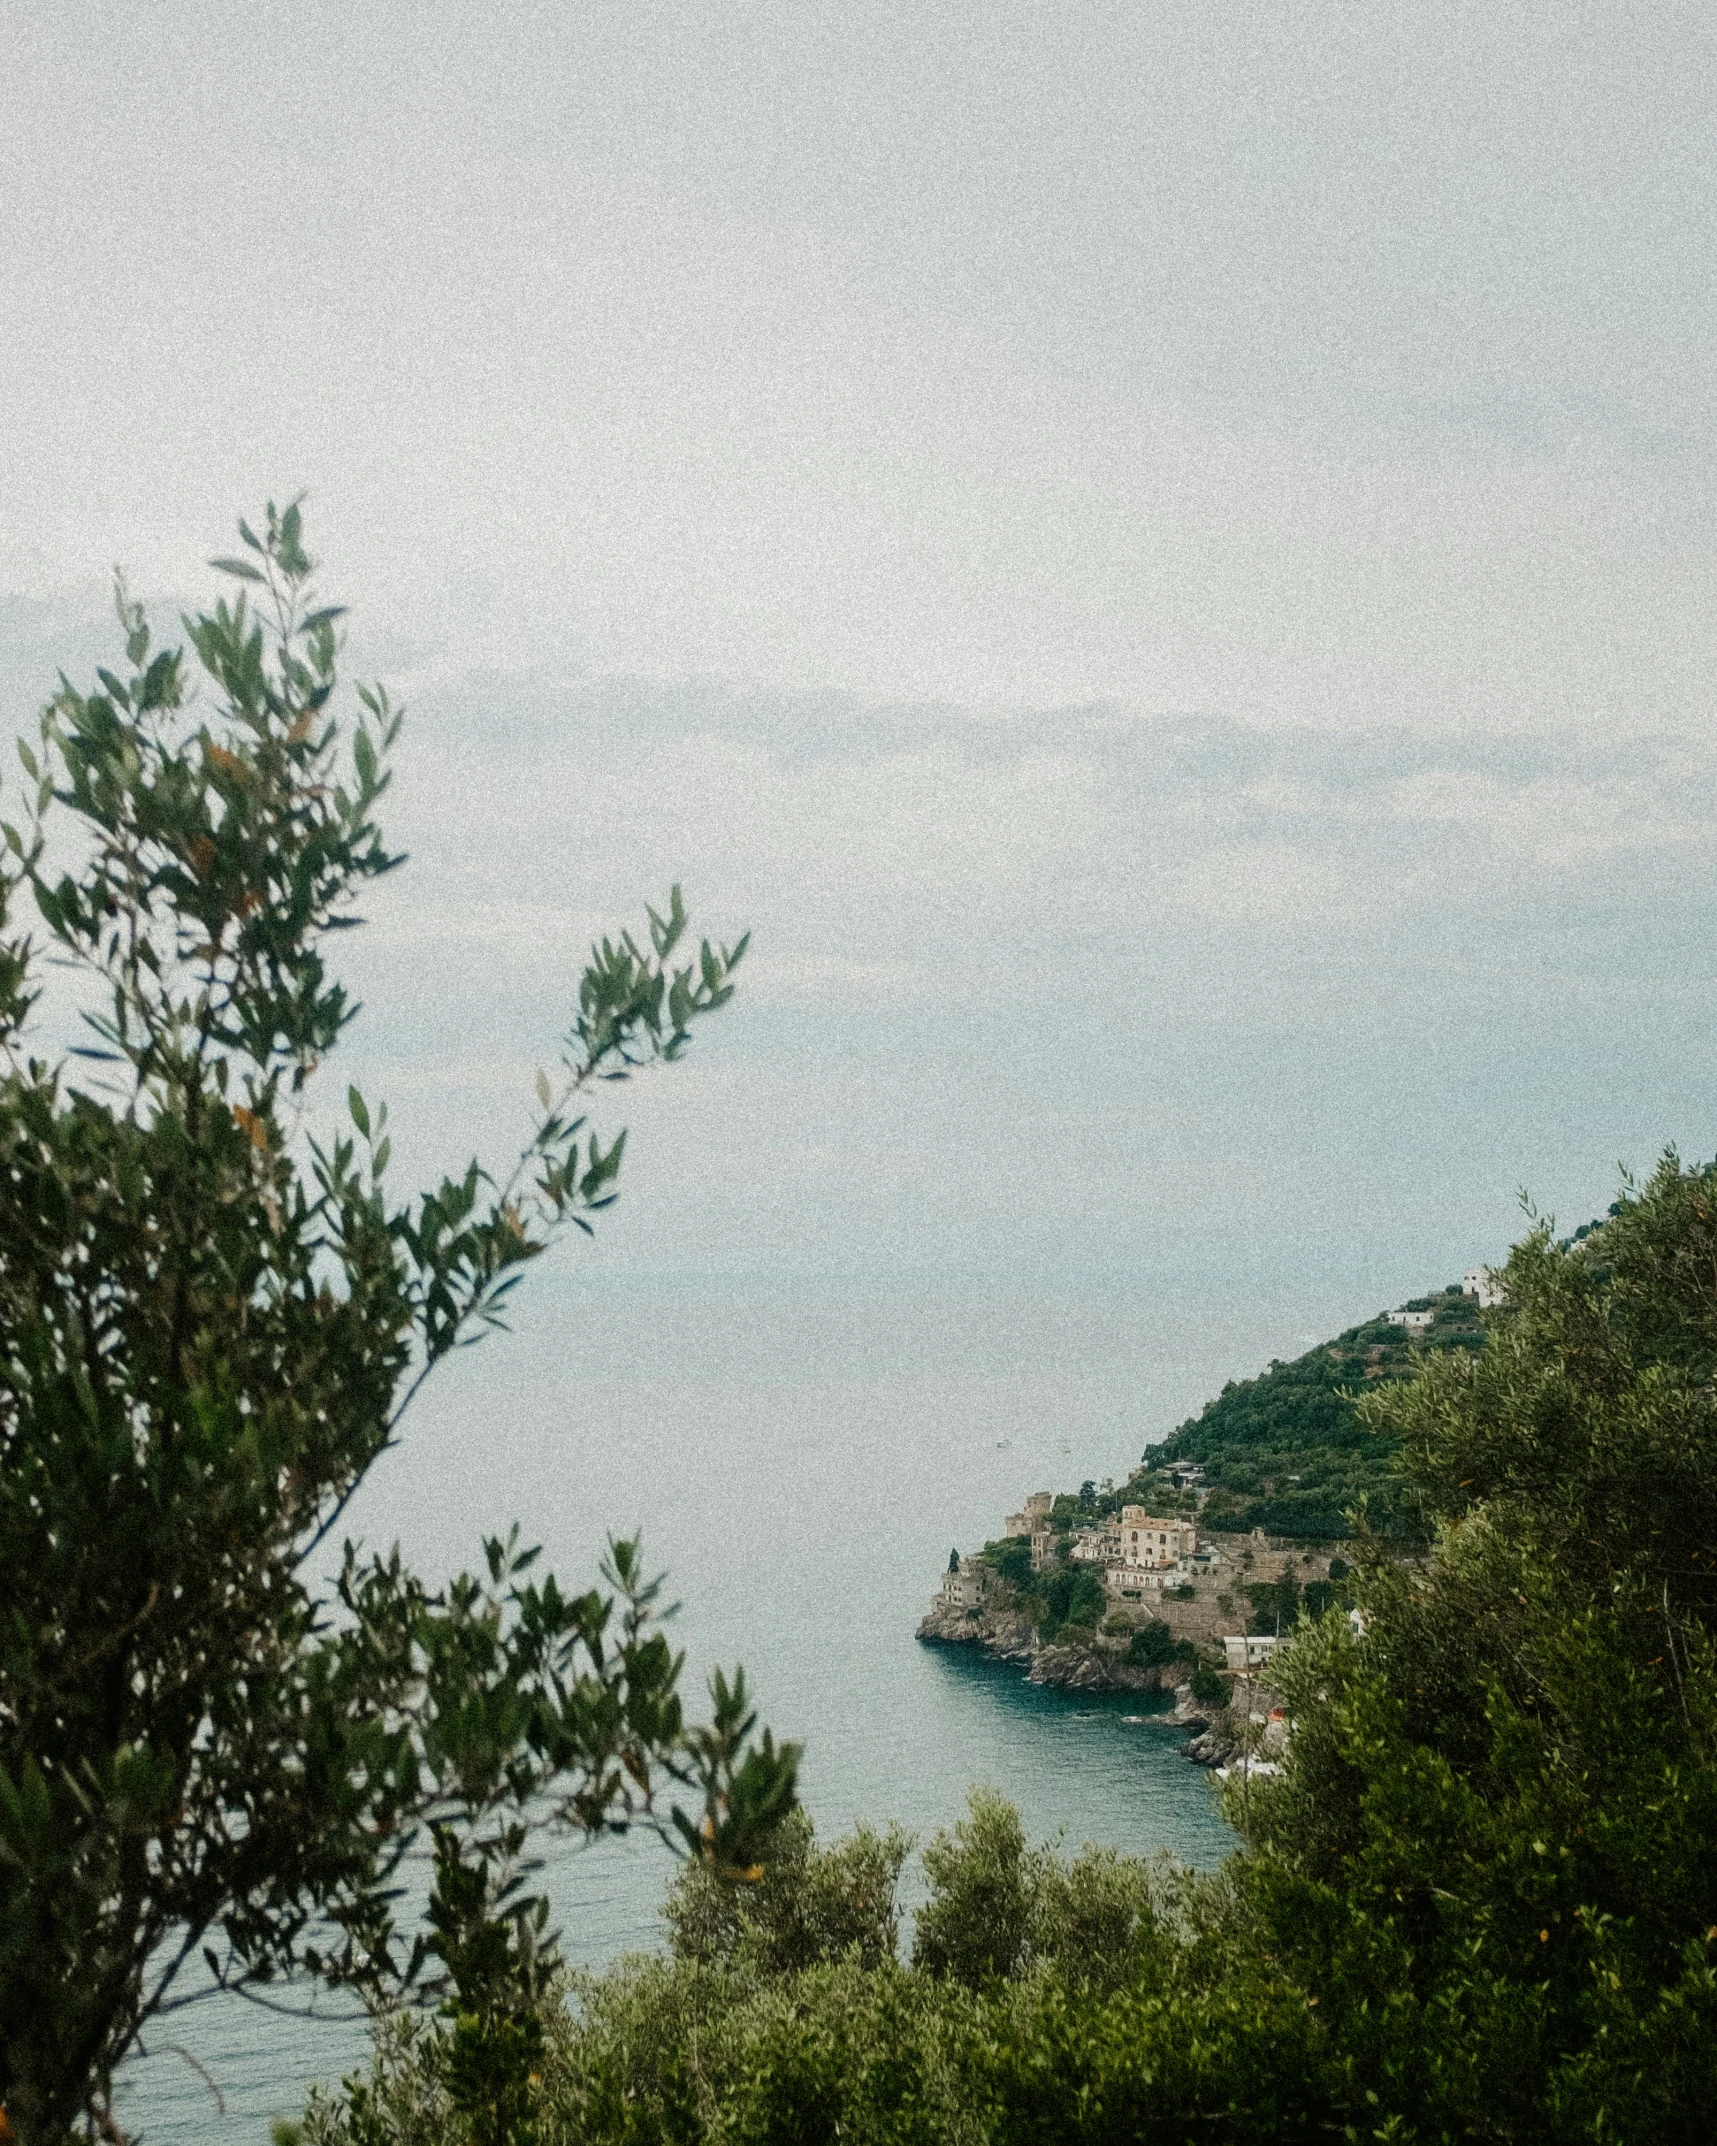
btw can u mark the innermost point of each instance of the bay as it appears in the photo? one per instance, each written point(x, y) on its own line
point(799, 1456)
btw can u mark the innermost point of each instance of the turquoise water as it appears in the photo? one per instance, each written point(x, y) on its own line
point(801, 1459)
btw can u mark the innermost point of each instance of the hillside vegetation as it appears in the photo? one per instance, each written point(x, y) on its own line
point(1287, 1451)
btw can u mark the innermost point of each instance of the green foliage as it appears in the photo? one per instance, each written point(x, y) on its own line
point(998, 1909)
point(1092, 1921)
point(210, 1326)
point(1275, 1604)
point(802, 1907)
point(1208, 1687)
point(1291, 1452)
point(1067, 1594)
point(491, 1940)
point(1089, 1984)
point(1496, 1847)
point(1157, 2064)
point(984, 1883)
point(1087, 1598)
point(1010, 1559)
point(1152, 1645)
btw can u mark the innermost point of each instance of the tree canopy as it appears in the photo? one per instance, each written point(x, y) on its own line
point(214, 1753)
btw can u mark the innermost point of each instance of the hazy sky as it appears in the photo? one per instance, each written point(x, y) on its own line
point(1162, 556)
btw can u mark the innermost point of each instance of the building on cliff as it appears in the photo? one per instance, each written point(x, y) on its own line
point(1147, 1539)
point(1035, 1518)
point(963, 1587)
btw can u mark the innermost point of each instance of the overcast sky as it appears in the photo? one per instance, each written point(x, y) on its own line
point(1161, 556)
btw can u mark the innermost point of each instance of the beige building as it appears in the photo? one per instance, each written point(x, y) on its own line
point(1035, 1517)
point(964, 1588)
point(1148, 1540)
point(1097, 1546)
point(1140, 1583)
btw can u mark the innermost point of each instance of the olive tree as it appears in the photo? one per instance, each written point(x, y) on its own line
point(212, 1757)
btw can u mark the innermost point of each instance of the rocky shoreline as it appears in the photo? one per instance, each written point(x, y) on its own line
point(1090, 1662)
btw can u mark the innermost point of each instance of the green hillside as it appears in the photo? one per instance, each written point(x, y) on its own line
point(1286, 1451)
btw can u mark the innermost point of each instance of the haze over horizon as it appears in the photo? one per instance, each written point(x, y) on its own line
point(1162, 562)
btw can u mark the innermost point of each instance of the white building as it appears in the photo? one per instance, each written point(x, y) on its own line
point(1414, 1321)
point(1246, 1653)
point(1485, 1284)
point(1131, 1583)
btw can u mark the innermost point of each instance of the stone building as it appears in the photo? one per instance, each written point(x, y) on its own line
point(1147, 1539)
point(1035, 1517)
point(964, 1587)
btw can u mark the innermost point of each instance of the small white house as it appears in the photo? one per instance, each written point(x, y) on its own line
point(1414, 1321)
point(1246, 1653)
point(1484, 1284)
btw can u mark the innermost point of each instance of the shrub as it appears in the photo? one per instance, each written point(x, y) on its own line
point(809, 1906)
point(983, 1894)
point(1086, 1598)
point(1208, 1688)
point(1010, 1560)
point(1152, 1645)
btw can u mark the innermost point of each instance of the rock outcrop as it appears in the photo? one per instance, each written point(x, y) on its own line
point(1089, 1662)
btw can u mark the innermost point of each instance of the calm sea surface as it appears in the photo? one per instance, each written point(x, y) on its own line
point(801, 1459)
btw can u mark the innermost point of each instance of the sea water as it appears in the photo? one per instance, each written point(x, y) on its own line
point(800, 1458)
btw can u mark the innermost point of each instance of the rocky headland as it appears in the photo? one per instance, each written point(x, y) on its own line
point(1097, 1662)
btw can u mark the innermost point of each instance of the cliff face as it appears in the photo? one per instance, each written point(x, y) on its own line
point(1089, 1663)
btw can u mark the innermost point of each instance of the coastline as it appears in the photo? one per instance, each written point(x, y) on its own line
point(1095, 1662)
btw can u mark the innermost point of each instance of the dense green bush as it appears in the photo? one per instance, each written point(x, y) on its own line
point(1208, 1687)
point(1151, 1645)
point(1087, 1597)
point(808, 1905)
point(1010, 1559)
